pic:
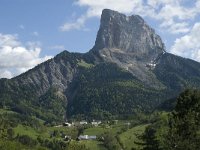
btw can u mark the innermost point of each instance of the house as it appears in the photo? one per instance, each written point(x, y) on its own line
point(95, 123)
point(83, 122)
point(87, 137)
point(66, 124)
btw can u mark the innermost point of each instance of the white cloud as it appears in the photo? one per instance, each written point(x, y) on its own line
point(95, 8)
point(5, 74)
point(173, 14)
point(78, 24)
point(16, 58)
point(188, 45)
point(177, 28)
point(7, 39)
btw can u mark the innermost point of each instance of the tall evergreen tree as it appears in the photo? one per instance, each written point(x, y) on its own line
point(185, 122)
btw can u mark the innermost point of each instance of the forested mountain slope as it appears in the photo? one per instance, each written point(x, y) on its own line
point(127, 72)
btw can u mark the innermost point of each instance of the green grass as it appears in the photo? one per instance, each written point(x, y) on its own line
point(82, 63)
point(130, 136)
point(72, 131)
point(94, 145)
point(95, 131)
point(25, 130)
point(45, 133)
point(127, 137)
point(100, 130)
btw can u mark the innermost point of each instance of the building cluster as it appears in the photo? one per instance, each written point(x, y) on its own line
point(67, 124)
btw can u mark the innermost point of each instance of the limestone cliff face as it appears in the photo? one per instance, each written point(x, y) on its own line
point(129, 34)
point(125, 40)
point(57, 72)
point(129, 42)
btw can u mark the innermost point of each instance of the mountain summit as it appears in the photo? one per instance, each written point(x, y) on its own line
point(127, 34)
point(129, 42)
point(126, 72)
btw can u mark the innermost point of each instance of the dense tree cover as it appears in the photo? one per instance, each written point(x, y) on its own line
point(184, 124)
point(150, 141)
point(180, 129)
point(50, 107)
point(177, 73)
point(99, 90)
point(110, 141)
point(55, 103)
point(107, 91)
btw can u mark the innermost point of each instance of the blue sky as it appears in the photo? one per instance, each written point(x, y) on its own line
point(32, 31)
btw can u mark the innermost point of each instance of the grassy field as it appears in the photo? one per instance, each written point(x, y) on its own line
point(100, 130)
point(94, 131)
point(25, 130)
point(45, 133)
point(130, 136)
point(127, 137)
point(94, 145)
point(82, 63)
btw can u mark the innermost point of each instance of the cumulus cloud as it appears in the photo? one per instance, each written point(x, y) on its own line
point(5, 74)
point(16, 58)
point(78, 24)
point(95, 8)
point(188, 45)
point(173, 14)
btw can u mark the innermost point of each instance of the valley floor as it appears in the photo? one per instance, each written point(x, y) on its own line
point(27, 135)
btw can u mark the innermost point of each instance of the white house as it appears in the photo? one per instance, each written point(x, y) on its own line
point(95, 123)
point(83, 122)
point(87, 137)
point(66, 124)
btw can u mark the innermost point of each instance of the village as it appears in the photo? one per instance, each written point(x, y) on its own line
point(87, 125)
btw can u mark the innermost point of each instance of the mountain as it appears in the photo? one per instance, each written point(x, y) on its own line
point(127, 72)
point(128, 42)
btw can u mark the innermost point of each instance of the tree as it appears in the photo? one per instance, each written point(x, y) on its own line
point(26, 140)
point(10, 133)
point(149, 137)
point(110, 141)
point(184, 123)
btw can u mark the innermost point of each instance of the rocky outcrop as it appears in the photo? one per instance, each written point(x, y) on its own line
point(130, 34)
point(129, 42)
point(57, 72)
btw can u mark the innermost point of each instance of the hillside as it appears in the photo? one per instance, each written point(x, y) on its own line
point(127, 73)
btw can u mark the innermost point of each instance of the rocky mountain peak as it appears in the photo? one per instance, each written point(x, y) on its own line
point(129, 42)
point(130, 34)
